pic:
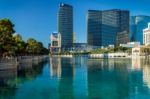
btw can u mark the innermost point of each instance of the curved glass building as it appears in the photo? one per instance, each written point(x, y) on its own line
point(137, 24)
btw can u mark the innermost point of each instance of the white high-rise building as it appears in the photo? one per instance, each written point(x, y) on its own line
point(146, 35)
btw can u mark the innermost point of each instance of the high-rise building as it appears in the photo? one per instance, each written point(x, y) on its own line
point(146, 35)
point(94, 21)
point(115, 27)
point(107, 27)
point(137, 24)
point(65, 24)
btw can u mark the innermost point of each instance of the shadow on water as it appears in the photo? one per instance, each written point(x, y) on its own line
point(7, 84)
point(11, 79)
point(31, 71)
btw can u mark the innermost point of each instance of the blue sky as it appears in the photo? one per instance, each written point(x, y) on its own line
point(38, 18)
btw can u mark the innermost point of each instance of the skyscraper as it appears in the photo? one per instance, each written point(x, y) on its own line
point(137, 24)
point(115, 27)
point(65, 25)
point(107, 27)
point(94, 20)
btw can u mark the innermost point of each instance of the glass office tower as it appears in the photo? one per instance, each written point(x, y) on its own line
point(109, 27)
point(114, 24)
point(65, 25)
point(137, 24)
point(94, 21)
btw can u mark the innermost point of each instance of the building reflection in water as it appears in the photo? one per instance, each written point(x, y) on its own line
point(55, 74)
point(62, 68)
point(107, 79)
point(72, 73)
point(146, 72)
point(139, 77)
point(80, 78)
point(136, 63)
point(65, 84)
point(140, 73)
point(55, 66)
point(135, 77)
point(61, 71)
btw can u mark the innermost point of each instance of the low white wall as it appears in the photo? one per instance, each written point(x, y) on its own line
point(110, 55)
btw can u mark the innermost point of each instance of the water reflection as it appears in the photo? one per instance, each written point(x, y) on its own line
point(8, 84)
point(73, 81)
point(80, 81)
point(107, 79)
point(102, 78)
point(140, 75)
point(78, 78)
point(10, 80)
point(146, 72)
point(66, 82)
point(30, 72)
point(136, 63)
point(55, 67)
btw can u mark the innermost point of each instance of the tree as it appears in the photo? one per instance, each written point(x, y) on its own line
point(20, 45)
point(31, 46)
point(12, 44)
point(39, 48)
point(36, 48)
point(17, 38)
point(6, 41)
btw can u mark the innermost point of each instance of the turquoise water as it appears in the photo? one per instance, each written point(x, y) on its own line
point(78, 78)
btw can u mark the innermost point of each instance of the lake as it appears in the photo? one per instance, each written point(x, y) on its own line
point(78, 78)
